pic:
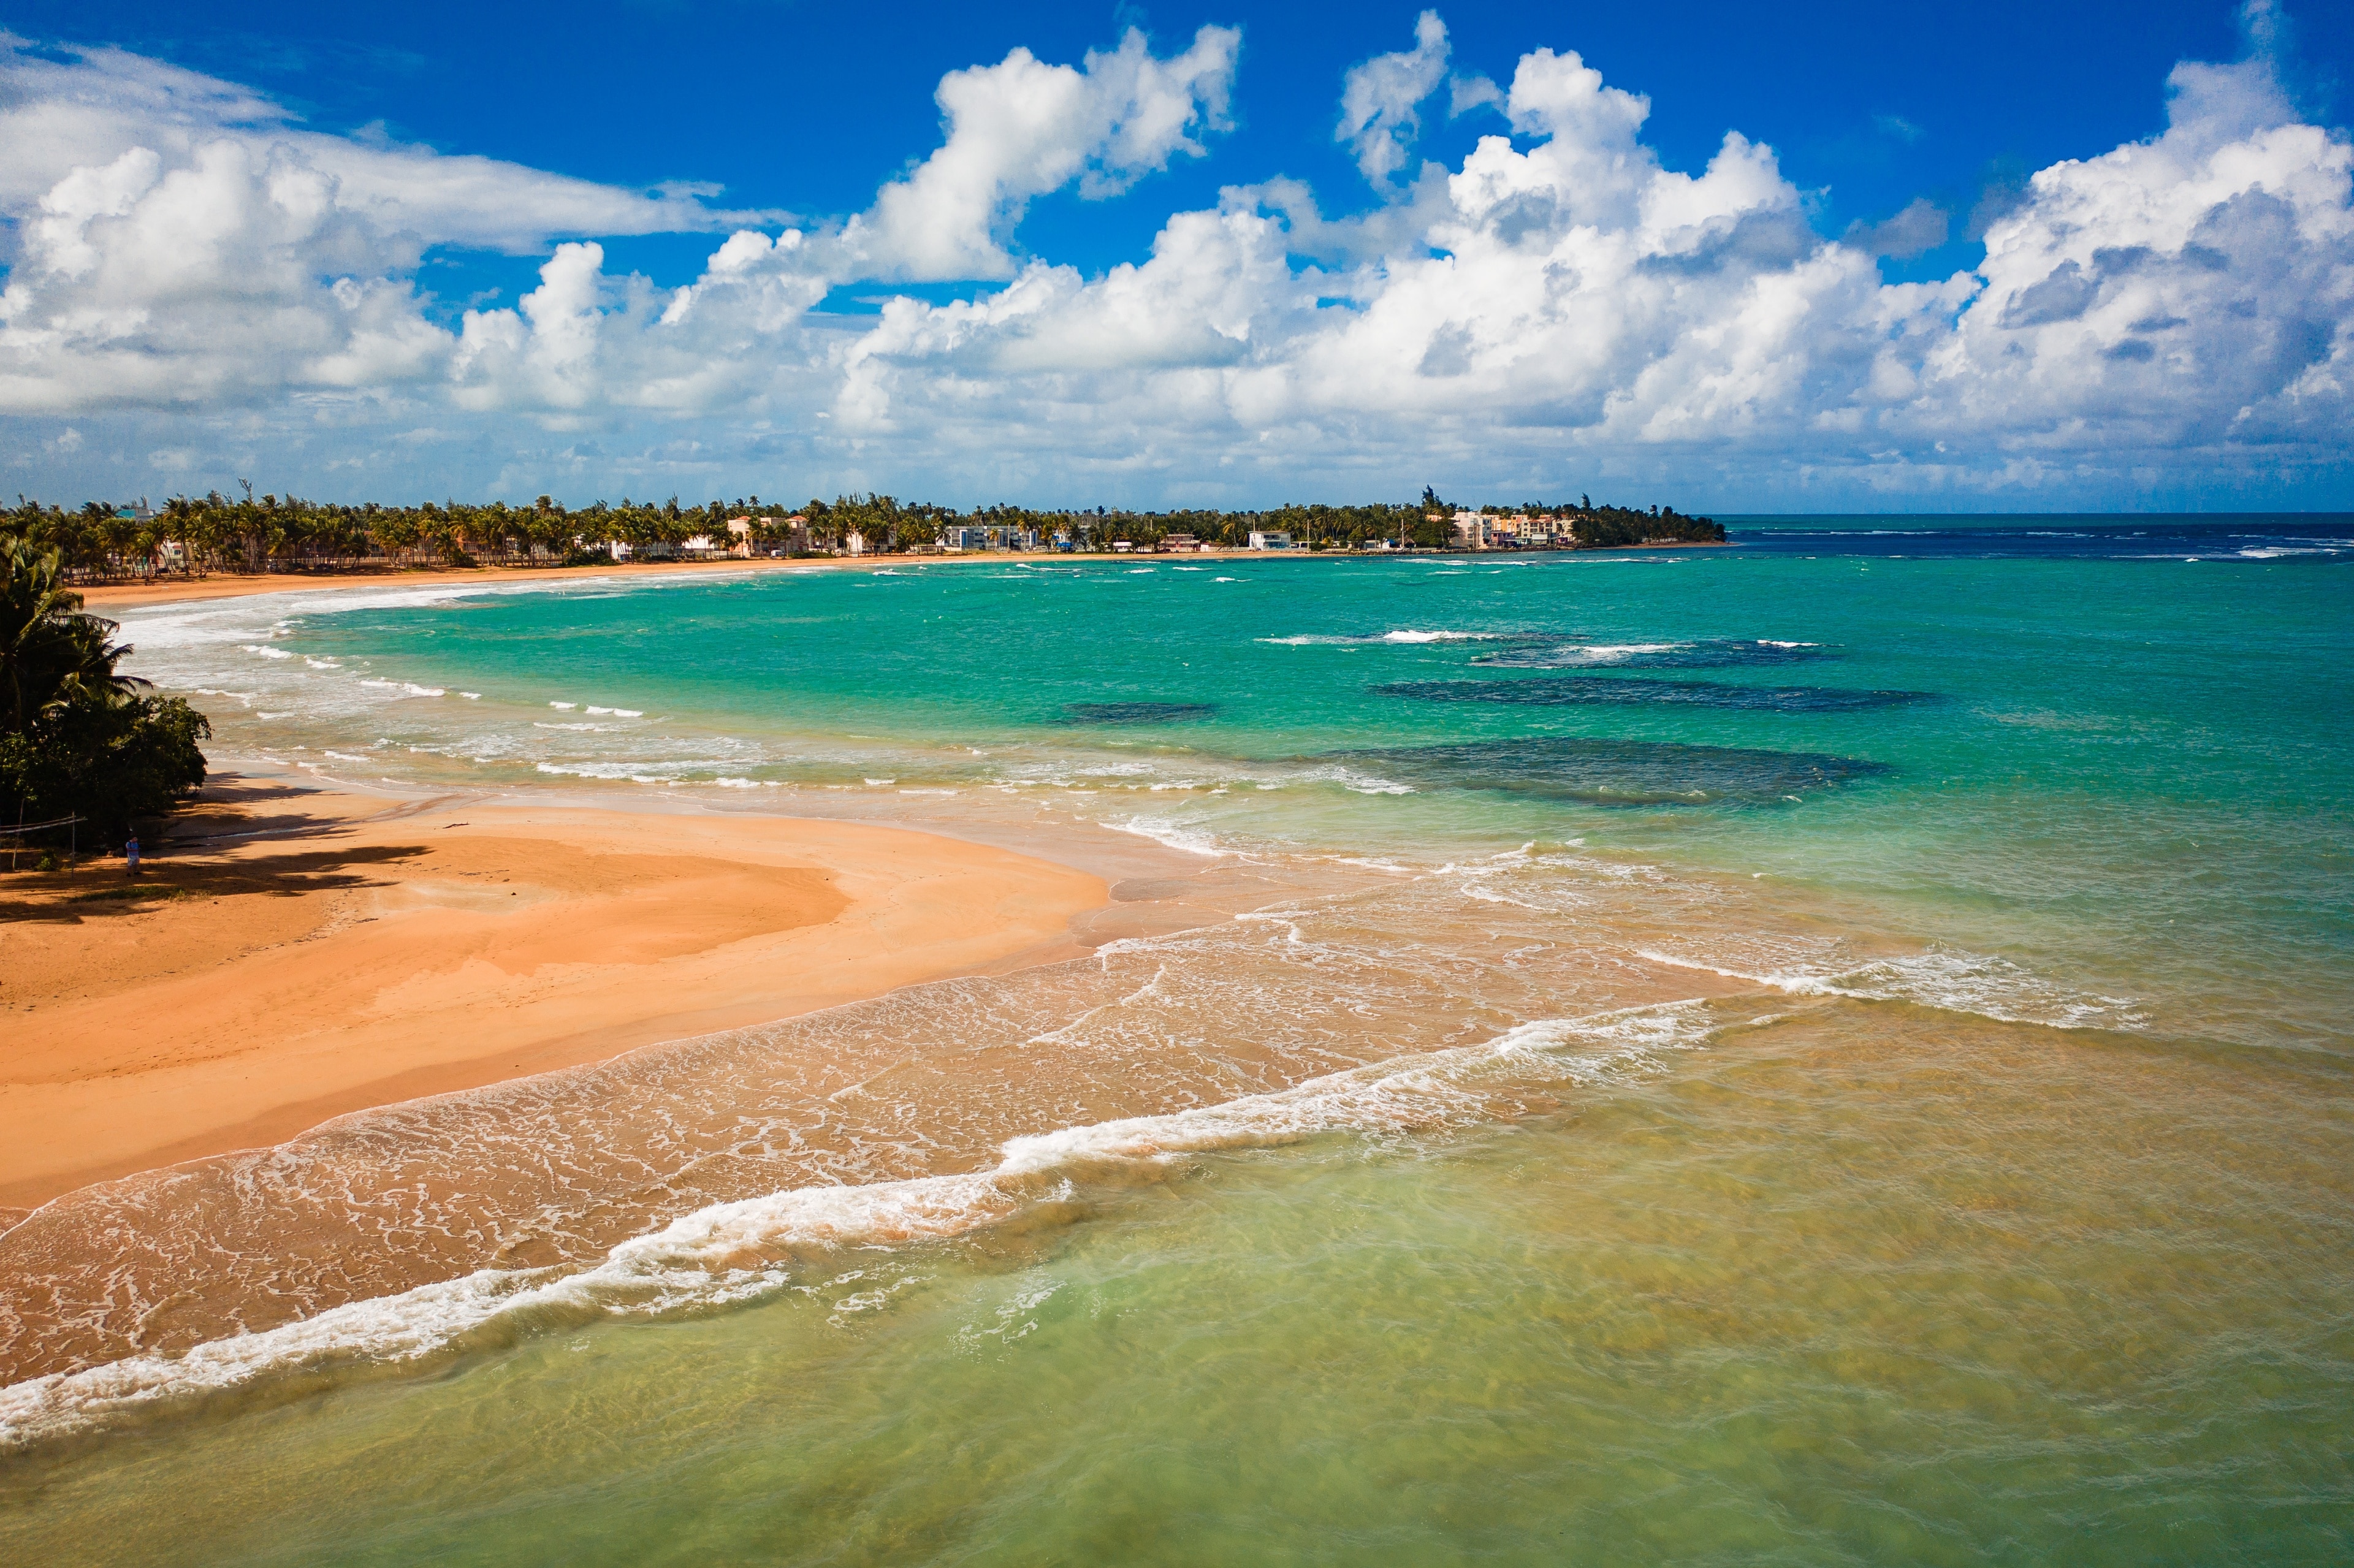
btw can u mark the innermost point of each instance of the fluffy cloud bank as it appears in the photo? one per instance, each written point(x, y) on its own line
point(197, 276)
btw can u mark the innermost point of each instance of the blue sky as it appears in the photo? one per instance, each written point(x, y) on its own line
point(779, 117)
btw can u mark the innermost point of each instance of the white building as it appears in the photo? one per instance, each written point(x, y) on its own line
point(1259, 541)
point(960, 537)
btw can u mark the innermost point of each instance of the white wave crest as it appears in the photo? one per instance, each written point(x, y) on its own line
point(1950, 980)
point(733, 1251)
point(1321, 640)
point(1168, 831)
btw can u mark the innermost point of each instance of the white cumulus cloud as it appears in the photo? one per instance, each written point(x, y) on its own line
point(1381, 100)
point(1561, 311)
point(1023, 127)
point(183, 241)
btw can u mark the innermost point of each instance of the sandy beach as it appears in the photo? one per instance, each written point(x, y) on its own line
point(294, 954)
point(109, 596)
point(106, 597)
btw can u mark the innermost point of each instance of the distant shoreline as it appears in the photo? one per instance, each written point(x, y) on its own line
point(178, 590)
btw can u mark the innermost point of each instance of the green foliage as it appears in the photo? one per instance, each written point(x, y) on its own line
point(287, 534)
point(109, 763)
point(1610, 528)
point(77, 737)
point(52, 653)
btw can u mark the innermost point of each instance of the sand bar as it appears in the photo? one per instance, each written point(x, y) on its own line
point(346, 951)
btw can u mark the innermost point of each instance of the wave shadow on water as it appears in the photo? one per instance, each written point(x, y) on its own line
point(1618, 772)
point(1135, 713)
point(1637, 691)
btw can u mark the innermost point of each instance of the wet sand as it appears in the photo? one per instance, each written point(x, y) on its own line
point(292, 954)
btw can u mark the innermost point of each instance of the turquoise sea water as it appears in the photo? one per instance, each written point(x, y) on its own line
point(1831, 1050)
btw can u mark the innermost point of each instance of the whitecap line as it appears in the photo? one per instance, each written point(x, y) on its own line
point(738, 1251)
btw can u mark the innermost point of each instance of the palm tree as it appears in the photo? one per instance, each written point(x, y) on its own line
point(51, 652)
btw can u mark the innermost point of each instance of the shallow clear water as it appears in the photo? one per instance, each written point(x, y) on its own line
point(1628, 1125)
point(2122, 748)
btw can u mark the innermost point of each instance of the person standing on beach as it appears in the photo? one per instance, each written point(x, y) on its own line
point(131, 855)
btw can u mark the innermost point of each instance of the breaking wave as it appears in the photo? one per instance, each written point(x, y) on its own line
point(739, 1251)
point(1941, 978)
point(1707, 654)
point(1315, 640)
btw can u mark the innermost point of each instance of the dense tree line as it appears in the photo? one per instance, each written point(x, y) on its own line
point(215, 533)
point(79, 740)
point(1606, 527)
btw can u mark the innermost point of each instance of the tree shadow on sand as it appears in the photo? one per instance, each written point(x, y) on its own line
point(96, 891)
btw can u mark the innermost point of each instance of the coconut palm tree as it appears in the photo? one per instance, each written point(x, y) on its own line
point(51, 651)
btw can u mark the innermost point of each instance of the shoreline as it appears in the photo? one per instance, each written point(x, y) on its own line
point(308, 952)
point(197, 590)
point(140, 596)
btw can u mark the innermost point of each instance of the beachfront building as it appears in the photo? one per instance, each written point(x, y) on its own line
point(1271, 541)
point(787, 536)
point(1514, 531)
point(972, 537)
point(1180, 544)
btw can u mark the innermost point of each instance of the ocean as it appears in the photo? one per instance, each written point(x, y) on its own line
point(1832, 1049)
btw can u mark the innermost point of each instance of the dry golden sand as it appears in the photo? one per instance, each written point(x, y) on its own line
point(350, 952)
point(106, 598)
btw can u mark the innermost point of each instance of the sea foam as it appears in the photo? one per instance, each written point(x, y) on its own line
point(738, 1250)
